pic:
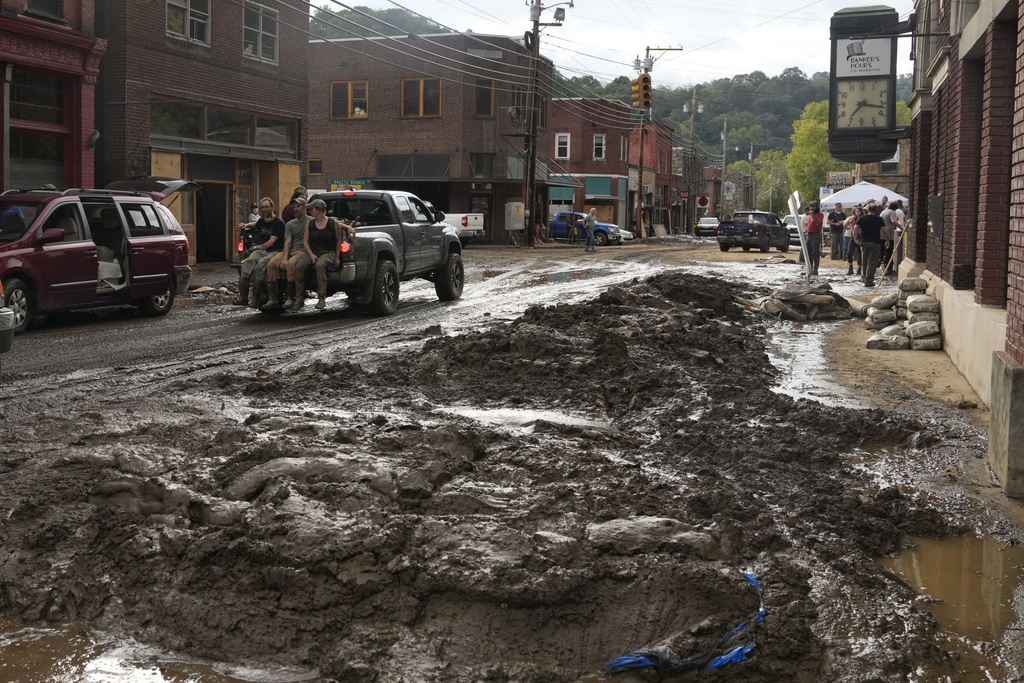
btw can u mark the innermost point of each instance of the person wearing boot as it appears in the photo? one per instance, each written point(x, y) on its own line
point(287, 260)
point(322, 244)
point(850, 249)
point(270, 229)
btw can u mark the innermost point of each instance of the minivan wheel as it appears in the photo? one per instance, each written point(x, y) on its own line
point(158, 305)
point(18, 298)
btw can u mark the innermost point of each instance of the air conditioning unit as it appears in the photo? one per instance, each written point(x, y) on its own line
point(647, 189)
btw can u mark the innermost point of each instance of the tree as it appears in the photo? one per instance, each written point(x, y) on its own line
point(809, 162)
point(772, 186)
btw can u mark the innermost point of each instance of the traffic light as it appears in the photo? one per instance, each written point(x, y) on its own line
point(645, 91)
point(637, 96)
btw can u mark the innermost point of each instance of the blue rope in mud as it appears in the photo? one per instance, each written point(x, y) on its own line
point(666, 661)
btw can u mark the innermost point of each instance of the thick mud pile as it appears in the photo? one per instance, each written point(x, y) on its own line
point(524, 503)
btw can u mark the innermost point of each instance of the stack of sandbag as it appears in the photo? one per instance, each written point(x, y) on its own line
point(803, 303)
point(920, 329)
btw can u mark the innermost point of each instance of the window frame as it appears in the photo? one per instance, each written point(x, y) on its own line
point(488, 84)
point(43, 12)
point(568, 145)
point(603, 137)
point(309, 167)
point(350, 99)
point(421, 98)
point(186, 34)
point(261, 10)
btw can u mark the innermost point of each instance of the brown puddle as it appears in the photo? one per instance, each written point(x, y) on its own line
point(973, 582)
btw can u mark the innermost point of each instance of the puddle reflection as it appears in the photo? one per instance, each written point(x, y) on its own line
point(974, 579)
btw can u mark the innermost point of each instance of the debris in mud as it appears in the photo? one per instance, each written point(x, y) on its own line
point(802, 303)
point(351, 518)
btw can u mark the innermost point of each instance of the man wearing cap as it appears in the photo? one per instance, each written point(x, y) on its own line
point(270, 233)
point(294, 231)
point(836, 218)
point(815, 223)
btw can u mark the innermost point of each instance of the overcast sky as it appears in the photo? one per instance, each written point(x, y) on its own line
point(719, 39)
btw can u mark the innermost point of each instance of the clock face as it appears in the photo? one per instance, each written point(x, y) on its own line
point(862, 103)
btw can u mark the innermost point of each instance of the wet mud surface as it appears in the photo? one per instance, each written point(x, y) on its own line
point(524, 499)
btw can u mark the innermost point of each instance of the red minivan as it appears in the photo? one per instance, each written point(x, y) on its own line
point(70, 249)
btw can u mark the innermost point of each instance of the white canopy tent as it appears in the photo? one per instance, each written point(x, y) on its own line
point(860, 194)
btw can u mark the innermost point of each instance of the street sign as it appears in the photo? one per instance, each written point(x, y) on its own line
point(684, 194)
point(703, 201)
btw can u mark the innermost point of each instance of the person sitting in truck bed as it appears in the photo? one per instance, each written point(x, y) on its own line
point(322, 243)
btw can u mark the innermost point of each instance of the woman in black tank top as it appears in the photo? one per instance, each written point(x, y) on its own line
point(322, 243)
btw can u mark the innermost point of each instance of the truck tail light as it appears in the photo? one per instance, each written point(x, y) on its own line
point(465, 221)
point(346, 250)
point(241, 246)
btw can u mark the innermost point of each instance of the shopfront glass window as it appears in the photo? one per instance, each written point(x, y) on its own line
point(175, 120)
point(36, 160)
point(275, 133)
point(38, 97)
point(228, 127)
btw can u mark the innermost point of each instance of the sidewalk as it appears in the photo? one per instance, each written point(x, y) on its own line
point(212, 275)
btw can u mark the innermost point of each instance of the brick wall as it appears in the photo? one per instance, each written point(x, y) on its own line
point(1015, 276)
point(994, 171)
point(348, 147)
point(143, 61)
point(921, 149)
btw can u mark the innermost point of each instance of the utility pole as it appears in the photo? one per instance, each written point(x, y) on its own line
point(693, 177)
point(530, 172)
point(721, 185)
point(642, 100)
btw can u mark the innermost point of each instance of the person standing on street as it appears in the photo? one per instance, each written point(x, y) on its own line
point(869, 234)
point(836, 217)
point(270, 232)
point(589, 223)
point(886, 214)
point(815, 222)
point(851, 250)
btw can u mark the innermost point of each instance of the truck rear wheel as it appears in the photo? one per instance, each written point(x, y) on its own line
point(766, 244)
point(450, 278)
point(600, 239)
point(385, 289)
point(723, 247)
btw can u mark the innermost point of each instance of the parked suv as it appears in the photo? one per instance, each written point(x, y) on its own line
point(71, 249)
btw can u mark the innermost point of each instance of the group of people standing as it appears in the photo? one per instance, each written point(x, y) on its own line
point(302, 238)
point(868, 235)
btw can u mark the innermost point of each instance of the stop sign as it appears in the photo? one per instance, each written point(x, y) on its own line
point(703, 201)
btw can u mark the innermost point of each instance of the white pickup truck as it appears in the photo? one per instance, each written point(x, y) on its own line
point(470, 226)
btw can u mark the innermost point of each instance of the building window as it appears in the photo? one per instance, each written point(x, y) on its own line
point(259, 33)
point(199, 122)
point(349, 100)
point(623, 148)
point(189, 19)
point(38, 96)
point(561, 145)
point(519, 97)
point(53, 9)
point(599, 147)
point(482, 164)
point(315, 167)
point(543, 103)
point(421, 97)
point(484, 97)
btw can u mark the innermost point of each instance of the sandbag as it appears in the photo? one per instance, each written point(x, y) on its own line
point(885, 301)
point(922, 303)
point(913, 284)
point(868, 325)
point(924, 317)
point(859, 308)
point(886, 343)
point(880, 316)
point(926, 344)
point(894, 331)
point(925, 329)
point(901, 313)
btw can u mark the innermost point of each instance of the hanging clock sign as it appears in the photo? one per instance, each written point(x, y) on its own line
point(862, 86)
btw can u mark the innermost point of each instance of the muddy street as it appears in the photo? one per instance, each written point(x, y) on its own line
point(581, 458)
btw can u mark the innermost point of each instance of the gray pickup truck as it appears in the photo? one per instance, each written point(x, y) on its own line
point(397, 239)
point(750, 229)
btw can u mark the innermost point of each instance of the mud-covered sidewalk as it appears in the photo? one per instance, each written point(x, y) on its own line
point(523, 503)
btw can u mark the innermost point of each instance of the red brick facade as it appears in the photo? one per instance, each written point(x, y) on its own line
point(60, 54)
point(1015, 264)
point(465, 155)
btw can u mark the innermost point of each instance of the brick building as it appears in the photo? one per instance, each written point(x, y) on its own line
point(442, 116)
point(967, 202)
point(590, 139)
point(50, 58)
point(893, 173)
point(211, 91)
point(657, 175)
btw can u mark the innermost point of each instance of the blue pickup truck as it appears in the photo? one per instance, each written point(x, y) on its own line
point(604, 233)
